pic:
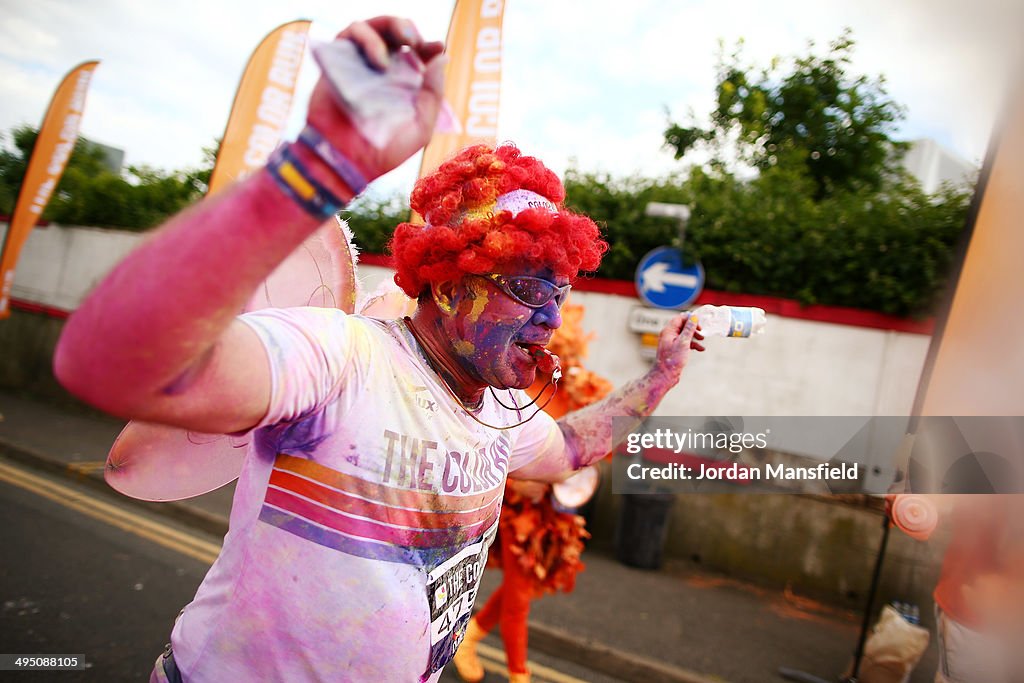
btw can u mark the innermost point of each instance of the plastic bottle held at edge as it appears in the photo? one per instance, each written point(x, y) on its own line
point(729, 321)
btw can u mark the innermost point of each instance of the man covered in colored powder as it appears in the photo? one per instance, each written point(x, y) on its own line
point(378, 449)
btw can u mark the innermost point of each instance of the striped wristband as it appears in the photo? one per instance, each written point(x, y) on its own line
point(331, 156)
point(296, 182)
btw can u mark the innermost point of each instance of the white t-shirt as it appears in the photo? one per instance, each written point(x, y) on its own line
point(362, 516)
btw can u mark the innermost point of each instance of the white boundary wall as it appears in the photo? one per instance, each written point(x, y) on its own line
point(797, 367)
point(59, 265)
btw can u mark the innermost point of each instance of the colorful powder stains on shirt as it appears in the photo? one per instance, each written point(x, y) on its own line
point(362, 516)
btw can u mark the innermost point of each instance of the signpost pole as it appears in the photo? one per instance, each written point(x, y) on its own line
point(680, 212)
point(663, 278)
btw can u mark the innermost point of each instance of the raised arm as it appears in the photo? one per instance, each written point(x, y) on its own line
point(590, 433)
point(157, 340)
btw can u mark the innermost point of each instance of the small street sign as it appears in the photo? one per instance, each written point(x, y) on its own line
point(664, 281)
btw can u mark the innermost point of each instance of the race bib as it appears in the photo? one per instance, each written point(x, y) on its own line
point(451, 590)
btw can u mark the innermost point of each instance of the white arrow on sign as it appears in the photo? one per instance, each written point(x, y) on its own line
point(656, 277)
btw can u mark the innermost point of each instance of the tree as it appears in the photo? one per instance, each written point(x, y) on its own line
point(90, 193)
point(830, 217)
point(373, 218)
point(618, 205)
point(13, 159)
point(817, 115)
point(888, 250)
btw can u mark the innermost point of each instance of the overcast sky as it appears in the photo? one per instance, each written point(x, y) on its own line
point(584, 82)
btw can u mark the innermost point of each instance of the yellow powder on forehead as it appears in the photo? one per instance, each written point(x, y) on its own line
point(464, 348)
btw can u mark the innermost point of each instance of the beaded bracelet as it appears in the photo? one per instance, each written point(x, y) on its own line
point(331, 156)
point(293, 178)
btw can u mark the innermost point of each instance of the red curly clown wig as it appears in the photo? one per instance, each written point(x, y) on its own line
point(467, 231)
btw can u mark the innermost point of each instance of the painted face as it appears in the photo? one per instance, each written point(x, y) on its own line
point(492, 325)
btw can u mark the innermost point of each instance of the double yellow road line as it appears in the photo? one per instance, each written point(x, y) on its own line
point(77, 500)
point(493, 661)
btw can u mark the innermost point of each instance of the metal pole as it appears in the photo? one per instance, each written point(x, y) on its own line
point(859, 654)
point(680, 212)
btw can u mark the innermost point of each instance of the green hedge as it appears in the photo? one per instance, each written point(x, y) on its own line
point(885, 250)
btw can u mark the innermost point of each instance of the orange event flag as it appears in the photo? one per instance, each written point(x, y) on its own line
point(262, 104)
point(54, 144)
point(472, 79)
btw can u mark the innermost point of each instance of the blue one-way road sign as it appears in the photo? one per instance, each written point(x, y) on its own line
point(664, 281)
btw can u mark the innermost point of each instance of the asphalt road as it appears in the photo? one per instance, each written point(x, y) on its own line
point(76, 585)
point(85, 575)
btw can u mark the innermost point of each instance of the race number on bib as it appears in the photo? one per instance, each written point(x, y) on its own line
point(451, 591)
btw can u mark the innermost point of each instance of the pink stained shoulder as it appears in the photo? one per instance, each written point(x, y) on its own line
point(160, 463)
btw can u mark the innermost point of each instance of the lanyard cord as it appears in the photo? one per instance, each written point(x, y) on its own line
point(552, 382)
point(437, 359)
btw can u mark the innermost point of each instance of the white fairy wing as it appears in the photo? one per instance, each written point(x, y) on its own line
point(321, 272)
point(159, 463)
point(387, 302)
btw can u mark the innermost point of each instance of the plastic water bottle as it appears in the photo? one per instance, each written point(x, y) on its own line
point(729, 321)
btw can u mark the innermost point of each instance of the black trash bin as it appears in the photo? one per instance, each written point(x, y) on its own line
point(642, 529)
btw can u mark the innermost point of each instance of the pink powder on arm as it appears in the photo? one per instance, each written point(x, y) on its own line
point(163, 308)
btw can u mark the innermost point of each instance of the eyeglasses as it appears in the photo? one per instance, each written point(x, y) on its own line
point(534, 292)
